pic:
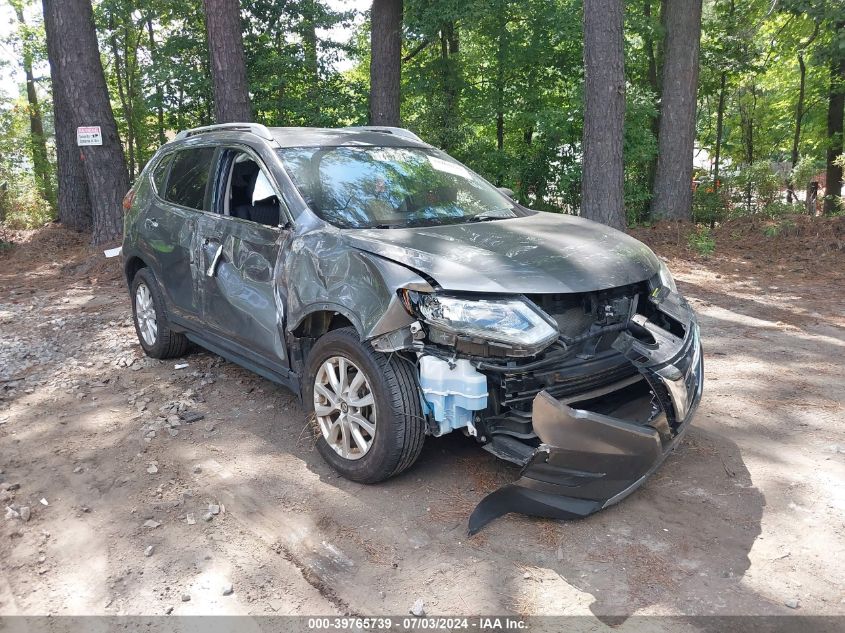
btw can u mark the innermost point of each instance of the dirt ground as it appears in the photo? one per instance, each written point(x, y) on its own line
point(155, 490)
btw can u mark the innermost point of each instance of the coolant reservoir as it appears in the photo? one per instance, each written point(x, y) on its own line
point(452, 395)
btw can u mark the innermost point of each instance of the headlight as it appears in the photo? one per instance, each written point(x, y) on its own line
point(665, 277)
point(505, 320)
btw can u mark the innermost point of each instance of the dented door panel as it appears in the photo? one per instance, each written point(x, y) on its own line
point(240, 298)
point(170, 245)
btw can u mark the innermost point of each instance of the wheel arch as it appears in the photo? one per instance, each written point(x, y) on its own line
point(131, 266)
point(324, 318)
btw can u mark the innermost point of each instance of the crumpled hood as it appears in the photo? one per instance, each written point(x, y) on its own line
point(541, 253)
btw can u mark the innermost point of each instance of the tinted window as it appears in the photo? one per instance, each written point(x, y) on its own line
point(160, 172)
point(188, 177)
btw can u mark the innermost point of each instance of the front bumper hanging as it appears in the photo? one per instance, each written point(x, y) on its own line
point(588, 461)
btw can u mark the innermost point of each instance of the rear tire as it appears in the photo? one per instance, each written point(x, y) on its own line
point(151, 325)
point(396, 412)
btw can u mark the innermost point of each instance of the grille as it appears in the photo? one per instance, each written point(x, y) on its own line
point(519, 390)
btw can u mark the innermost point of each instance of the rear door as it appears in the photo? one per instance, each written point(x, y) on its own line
point(240, 244)
point(170, 226)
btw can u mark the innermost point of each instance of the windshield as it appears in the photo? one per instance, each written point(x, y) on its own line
point(387, 187)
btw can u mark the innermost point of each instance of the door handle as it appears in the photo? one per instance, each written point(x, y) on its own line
point(151, 223)
point(212, 267)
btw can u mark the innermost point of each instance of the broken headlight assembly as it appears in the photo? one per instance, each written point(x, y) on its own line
point(663, 279)
point(491, 325)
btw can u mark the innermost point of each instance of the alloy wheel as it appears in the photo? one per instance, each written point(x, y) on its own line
point(145, 314)
point(344, 407)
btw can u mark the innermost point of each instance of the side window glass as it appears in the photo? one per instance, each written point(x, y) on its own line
point(189, 177)
point(250, 195)
point(160, 173)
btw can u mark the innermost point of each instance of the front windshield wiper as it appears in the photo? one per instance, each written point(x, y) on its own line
point(483, 216)
point(407, 224)
point(490, 214)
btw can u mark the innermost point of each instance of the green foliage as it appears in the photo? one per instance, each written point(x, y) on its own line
point(781, 227)
point(26, 165)
point(22, 205)
point(496, 83)
point(701, 241)
point(804, 171)
point(709, 205)
point(780, 209)
point(640, 149)
point(761, 185)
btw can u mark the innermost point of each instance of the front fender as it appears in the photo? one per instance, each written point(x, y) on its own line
point(324, 273)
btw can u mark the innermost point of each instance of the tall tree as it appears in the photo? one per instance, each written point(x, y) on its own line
point(385, 61)
point(78, 76)
point(228, 63)
point(124, 36)
point(602, 188)
point(74, 203)
point(653, 44)
point(673, 180)
point(835, 114)
point(720, 108)
point(37, 142)
point(159, 98)
point(308, 32)
point(799, 108)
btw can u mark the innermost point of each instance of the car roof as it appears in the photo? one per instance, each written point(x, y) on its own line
point(362, 136)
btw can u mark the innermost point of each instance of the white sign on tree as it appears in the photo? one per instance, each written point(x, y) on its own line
point(89, 135)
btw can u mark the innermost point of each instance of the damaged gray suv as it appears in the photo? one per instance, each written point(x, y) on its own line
point(401, 295)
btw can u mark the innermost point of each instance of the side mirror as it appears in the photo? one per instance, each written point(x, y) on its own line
point(507, 191)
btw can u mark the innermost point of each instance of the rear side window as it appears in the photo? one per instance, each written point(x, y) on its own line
point(160, 173)
point(189, 176)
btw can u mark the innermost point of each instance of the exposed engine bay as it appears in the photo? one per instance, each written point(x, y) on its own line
point(587, 417)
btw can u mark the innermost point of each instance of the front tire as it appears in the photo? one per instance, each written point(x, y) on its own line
point(151, 325)
point(365, 406)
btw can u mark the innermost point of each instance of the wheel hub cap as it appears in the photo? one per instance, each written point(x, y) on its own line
point(344, 407)
point(145, 314)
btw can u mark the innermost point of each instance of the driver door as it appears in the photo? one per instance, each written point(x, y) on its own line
point(240, 244)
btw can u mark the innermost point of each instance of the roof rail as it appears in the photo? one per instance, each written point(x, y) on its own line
point(386, 129)
point(255, 128)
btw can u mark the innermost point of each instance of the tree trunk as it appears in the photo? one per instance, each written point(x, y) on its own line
point(448, 52)
point(312, 67)
point(501, 49)
point(75, 62)
point(38, 142)
point(385, 62)
point(228, 62)
point(835, 114)
point(602, 185)
point(74, 205)
point(720, 121)
point(159, 90)
point(651, 55)
point(799, 109)
point(799, 117)
point(121, 65)
point(720, 126)
point(653, 76)
point(673, 180)
point(746, 122)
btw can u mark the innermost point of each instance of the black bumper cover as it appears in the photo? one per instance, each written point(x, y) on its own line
point(589, 461)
